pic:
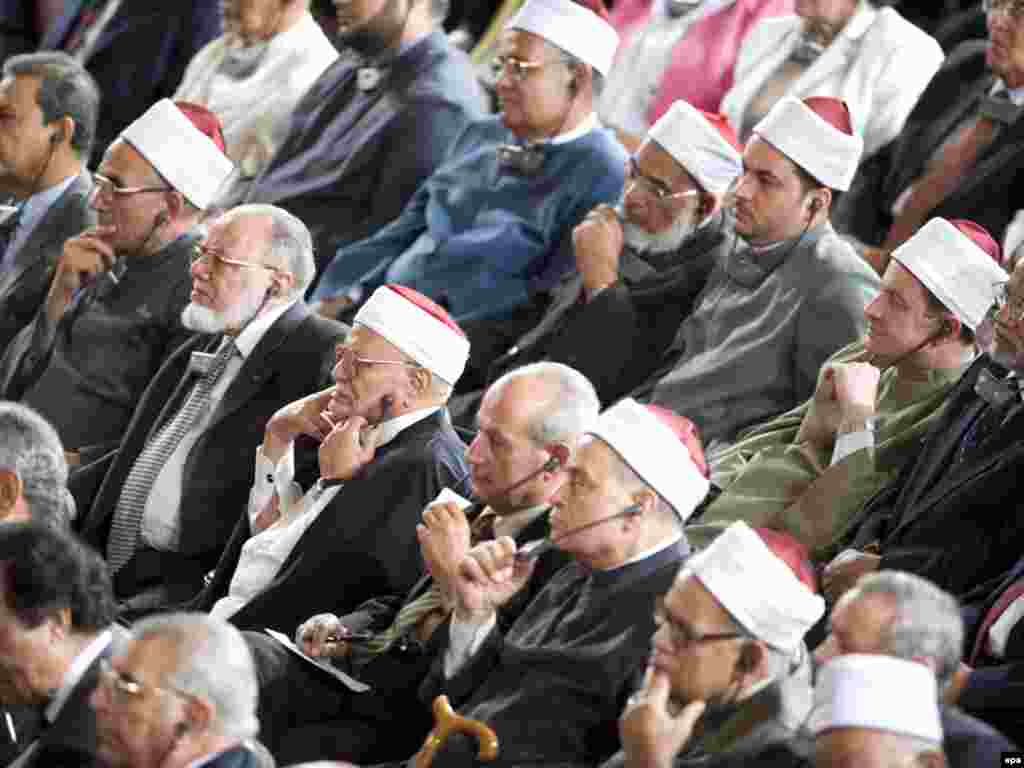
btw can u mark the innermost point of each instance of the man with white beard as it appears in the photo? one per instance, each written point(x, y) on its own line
point(169, 496)
point(641, 264)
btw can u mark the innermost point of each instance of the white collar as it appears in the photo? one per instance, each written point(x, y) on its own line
point(82, 662)
point(648, 553)
point(391, 428)
point(1016, 94)
point(251, 335)
point(588, 124)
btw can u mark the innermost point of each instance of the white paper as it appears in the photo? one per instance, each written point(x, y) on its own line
point(347, 680)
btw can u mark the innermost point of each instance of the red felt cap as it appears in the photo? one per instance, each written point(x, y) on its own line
point(687, 433)
point(428, 305)
point(792, 553)
point(596, 6)
point(205, 121)
point(721, 124)
point(833, 111)
point(980, 237)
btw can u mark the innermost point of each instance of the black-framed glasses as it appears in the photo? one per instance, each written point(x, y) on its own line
point(1013, 8)
point(652, 187)
point(1003, 297)
point(103, 185)
point(350, 362)
point(125, 687)
point(517, 69)
point(682, 636)
point(200, 253)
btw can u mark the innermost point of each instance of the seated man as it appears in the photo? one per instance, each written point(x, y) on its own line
point(727, 659)
point(50, 104)
point(171, 493)
point(529, 417)
point(808, 471)
point(876, 710)
point(554, 682)
point(959, 154)
point(387, 448)
point(898, 614)
point(255, 73)
point(675, 50)
point(181, 693)
point(954, 514)
point(640, 265)
point(373, 127)
point(113, 310)
point(775, 308)
point(56, 610)
point(33, 470)
point(487, 235)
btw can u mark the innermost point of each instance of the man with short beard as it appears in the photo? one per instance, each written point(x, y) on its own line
point(373, 127)
point(170, 495)
point(639, 266)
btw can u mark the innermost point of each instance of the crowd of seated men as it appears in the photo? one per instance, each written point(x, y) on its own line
point(559, 382)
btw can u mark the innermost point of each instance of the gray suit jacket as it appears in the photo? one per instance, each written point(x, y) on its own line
point(24, 287)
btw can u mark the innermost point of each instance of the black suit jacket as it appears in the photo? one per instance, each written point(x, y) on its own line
point(957, 524)
point(362, 544)
point(294, 358)
point(23, 288)
point(140, 56)
point(990, 193)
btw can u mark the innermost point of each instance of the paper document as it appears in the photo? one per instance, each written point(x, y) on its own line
point(347, 680)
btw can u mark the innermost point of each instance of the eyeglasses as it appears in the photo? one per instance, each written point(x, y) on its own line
point(350, 362)
point(654, 188)
point(216, 260)
point(517, 69)
point(681, 636)
point(103, 185)
point(1012, 8)
point(124, 687)
point(1004, 298)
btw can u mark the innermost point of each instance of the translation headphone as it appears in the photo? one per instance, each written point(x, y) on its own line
point(815, 205)
point(57, 136)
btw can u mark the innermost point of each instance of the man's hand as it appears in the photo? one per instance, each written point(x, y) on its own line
point(823, 417)
point(444, 541)
point(301, 417)
point(856, 390)
point(651, 735)
point(487, 578)
point(83, 258)
point(841, 574)
point(597, 241)
point(311, 637)
point(957, 684)
point(348, 447)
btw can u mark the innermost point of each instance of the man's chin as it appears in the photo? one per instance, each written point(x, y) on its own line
point(200, 319)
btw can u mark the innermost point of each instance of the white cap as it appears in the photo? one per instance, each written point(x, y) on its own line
point(952, 266)
point(757, 588)
point(883, 693)
point(704, 144)
point(180, 152)
point(418, 327)
point(653, 447)
point(827, 153)
point(576, 30)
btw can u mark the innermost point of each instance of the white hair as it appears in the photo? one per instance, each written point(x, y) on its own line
point(290, 242)
point(572, 407)
point(213, 663)
point(31, 447)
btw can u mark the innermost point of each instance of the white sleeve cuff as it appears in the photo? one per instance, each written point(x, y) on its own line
point(999, 632)
point(852, 442)
point(464, 639)
point(272, 477)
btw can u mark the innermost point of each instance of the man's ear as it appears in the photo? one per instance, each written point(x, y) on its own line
point(752, 664)
point(10, 492)
point(420, 379)
point(647, 499)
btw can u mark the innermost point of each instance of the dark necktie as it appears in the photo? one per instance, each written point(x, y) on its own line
point(8, 230)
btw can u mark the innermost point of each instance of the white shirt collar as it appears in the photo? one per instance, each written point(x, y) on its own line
point(588, 124)
point(82, 662)
point(1016, 94)
point(247, 340)
point(390, 429)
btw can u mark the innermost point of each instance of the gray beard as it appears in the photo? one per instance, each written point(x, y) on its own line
point(196, 317)
point(642, 241)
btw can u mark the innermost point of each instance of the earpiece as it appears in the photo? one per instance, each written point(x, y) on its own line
point(551, 464)
point(57, 137)
point(161, 219)
point(633, 510)
point(574, 86)
point(181, 728)
point(815, 206)
point(274, 291)
point(747, 661)
point(947, 328)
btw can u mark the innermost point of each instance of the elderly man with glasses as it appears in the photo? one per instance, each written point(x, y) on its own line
point(169, 496)
point(112, 312)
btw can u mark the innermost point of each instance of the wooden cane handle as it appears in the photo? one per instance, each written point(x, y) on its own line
point(447, 722)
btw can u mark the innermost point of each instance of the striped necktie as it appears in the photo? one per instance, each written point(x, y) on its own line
point(124, 530)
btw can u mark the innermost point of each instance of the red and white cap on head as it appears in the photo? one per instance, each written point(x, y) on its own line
point(419, 327)
point(881, 693)
point(959, 263)
point(175, 144)
point(661, 447)
point(705, 144)
point(816, 133)
point(755, 579)
point(575, 29)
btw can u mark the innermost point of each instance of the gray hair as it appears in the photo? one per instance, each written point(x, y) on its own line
point(290, 242)
point(66, 89)
point(572, 407)
point(214, 664)
point(927, 624)
point(32, 448)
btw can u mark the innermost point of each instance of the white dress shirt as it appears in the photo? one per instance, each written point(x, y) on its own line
point(263, 554)
point(161, 521)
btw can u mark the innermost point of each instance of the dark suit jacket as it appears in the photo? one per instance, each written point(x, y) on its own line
point(294, 358)
point(362, 544)
point(140, 56)
point(990, 193)
point(24, 287)
point(17, 28)
point(957, 524)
